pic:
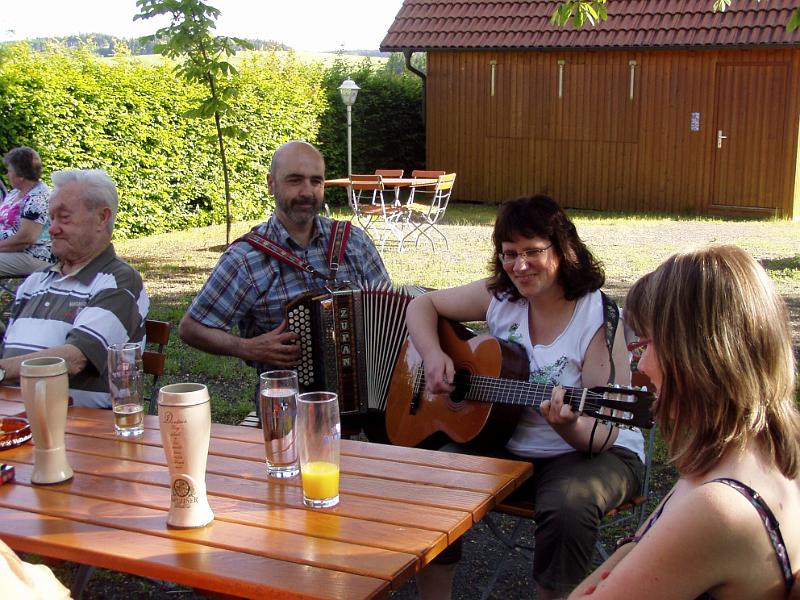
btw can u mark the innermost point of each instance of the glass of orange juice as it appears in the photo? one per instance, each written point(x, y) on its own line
point(318, 435)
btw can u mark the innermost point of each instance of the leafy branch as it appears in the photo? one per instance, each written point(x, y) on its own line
point(579, 12)
point(201, 58)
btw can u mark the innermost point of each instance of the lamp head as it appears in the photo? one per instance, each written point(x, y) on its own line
point(349, 91)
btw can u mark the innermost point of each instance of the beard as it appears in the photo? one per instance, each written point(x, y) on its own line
point(299, 212)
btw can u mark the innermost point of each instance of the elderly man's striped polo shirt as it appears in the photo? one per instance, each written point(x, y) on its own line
point(101, 304)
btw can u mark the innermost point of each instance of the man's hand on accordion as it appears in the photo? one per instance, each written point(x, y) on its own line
point(278, 347)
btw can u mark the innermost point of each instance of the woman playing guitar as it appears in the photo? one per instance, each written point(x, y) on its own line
point(543, 294)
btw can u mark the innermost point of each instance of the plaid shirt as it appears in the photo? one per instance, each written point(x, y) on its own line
point(248, 289)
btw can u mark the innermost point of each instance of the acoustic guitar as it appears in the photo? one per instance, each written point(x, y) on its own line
point(491, 389)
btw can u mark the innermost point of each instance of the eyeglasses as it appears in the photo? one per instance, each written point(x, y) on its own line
point(510, 258)
point(640, 343)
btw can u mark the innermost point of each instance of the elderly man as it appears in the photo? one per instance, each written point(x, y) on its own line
point(249, 288)
point(87, 301)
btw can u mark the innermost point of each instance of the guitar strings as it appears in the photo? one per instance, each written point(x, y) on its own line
point(541, 392)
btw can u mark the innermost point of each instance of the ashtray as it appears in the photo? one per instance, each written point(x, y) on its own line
point(13, 431)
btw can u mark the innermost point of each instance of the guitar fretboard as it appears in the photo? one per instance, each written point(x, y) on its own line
point(495, 390)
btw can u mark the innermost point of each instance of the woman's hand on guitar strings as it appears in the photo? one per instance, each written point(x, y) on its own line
point(439, 373)
point(555, 411)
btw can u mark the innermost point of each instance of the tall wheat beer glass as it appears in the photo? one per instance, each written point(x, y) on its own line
point(184, 415)
point(45, 391)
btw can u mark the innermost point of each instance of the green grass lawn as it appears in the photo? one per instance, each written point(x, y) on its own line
point(174, 267)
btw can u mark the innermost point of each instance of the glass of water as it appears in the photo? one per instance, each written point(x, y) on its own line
point(278, 404)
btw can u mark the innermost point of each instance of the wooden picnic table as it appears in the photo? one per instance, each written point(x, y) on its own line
point(399, 508)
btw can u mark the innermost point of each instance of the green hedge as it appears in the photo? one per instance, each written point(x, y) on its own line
point(124, 116)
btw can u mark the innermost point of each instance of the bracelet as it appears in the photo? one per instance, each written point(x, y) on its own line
point(628, 539)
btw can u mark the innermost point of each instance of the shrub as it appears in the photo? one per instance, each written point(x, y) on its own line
point(125, 116)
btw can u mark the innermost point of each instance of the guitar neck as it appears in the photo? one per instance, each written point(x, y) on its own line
point(518, 393)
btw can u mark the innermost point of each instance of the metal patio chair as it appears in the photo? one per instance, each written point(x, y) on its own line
point(391, 174)
point(378, 216)
point(424, 216)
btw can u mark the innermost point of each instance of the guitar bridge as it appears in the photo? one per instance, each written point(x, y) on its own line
point(419, 385)
point(412, 408)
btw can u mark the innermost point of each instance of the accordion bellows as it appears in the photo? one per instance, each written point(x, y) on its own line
point(349, 339)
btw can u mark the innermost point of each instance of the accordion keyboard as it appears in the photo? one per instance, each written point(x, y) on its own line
point(299, 321)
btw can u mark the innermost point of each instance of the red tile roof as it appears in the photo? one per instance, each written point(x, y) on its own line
point(511, 24)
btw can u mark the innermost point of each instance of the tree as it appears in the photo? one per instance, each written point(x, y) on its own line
point(188, 39)
point(594, 11)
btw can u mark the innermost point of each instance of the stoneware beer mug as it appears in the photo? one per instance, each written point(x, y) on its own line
point(184, 416)
point(45, 390)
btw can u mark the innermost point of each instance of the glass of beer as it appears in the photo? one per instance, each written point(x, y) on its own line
point(318, 435)
point(278, 404)
point(125, 379)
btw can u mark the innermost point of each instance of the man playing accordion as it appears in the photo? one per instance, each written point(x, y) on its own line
point(250, 285)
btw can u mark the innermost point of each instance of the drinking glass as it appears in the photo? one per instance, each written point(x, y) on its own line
point(125, 379)
point(278, 400)
point(318, 435)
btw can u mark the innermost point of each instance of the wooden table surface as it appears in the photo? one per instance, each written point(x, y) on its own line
point(399, 508)
point(388, 182)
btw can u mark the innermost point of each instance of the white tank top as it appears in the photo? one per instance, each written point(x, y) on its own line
point(559, 362)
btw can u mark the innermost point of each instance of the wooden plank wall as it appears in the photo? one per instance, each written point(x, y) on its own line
point(595, 147)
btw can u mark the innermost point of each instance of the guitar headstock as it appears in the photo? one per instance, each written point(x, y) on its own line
point(621, 405)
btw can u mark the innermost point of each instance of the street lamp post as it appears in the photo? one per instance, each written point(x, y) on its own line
point(349, 91)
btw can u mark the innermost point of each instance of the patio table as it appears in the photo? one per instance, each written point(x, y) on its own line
point(395, 220)
point(389, 182)
point(399, 508)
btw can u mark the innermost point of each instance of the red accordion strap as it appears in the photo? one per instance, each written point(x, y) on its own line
point(340, 232)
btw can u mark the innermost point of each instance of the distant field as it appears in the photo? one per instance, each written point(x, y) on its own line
point(326, 58)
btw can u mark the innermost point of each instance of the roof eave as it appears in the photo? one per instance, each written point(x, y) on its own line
point(587, 48)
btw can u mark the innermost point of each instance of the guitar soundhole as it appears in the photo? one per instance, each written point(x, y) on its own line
point(461, 382)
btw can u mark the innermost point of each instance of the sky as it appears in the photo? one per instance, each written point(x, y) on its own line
point(310, 25)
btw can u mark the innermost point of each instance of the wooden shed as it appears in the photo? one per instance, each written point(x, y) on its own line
point(666, 106)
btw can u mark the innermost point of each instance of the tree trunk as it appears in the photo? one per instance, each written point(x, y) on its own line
point(225, 176)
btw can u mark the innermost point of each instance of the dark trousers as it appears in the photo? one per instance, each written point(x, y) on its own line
point(572, 493)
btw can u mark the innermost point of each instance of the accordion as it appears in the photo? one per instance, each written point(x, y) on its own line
point(349, 341)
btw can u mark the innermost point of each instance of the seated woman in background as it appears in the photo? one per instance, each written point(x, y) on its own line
point(719, 353)
point(24, 224)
